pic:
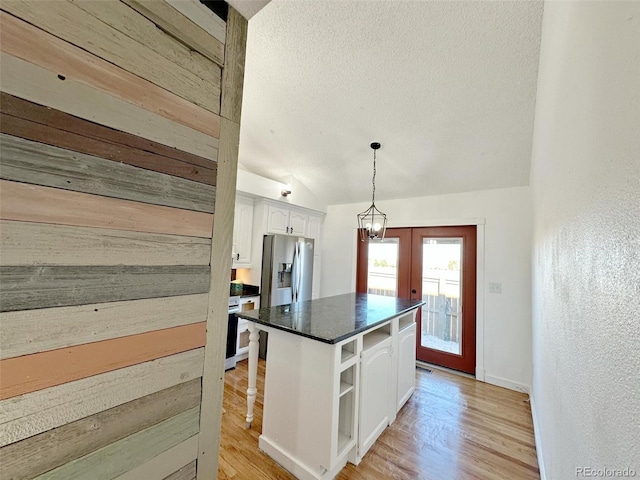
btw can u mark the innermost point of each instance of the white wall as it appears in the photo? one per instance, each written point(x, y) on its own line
point(507, 259)
point(586, 266)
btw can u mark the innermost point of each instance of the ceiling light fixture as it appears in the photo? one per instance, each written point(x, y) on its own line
point(372, 223)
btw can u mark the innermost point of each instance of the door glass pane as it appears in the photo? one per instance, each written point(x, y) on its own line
point(382, 277)
point(442, 292)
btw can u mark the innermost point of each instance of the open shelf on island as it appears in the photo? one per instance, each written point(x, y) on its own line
point(348, 351)
point(374, 337)
point(405, 321)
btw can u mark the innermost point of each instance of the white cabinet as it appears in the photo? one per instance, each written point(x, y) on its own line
point(345, 395)
point(376, 380)
point(298, 223)
point(286, 221)
point(406, 361)
point(242, 232)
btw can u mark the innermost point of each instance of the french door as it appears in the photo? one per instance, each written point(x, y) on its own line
point(437, 265)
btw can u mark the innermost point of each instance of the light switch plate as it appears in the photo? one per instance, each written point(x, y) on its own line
point(495, 287)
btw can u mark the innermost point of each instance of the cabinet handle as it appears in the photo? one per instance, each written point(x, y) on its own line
point(237, 256)
point(291, 230)
point(287, 229)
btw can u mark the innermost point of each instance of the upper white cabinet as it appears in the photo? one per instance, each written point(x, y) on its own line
point(242, 232)
point(314, 228)
point(286, 221)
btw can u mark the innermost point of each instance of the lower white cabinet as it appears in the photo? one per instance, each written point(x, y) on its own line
point(406, 364)
point(375, 384)
point(339, 397)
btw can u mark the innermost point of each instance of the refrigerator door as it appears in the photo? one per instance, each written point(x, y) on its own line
point(287, 270)
point(304, 270)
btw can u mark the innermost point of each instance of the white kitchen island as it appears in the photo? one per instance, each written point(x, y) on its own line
point(338, 370)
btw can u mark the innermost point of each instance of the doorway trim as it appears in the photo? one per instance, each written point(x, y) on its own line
point(480, 286)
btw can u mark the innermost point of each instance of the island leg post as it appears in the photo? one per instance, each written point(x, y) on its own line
point(254, 336)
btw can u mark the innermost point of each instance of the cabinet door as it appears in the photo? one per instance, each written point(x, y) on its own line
point(298, 223)
point(374, 394)
point(406, 365)
point(314, 229)
point(242, 230)
point(277, 220)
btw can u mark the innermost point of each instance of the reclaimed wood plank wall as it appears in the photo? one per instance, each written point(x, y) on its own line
point(119, 140)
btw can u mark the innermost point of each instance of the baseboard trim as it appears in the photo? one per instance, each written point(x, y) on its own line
point(444, 369)
point(505, 383)
point(537, 436)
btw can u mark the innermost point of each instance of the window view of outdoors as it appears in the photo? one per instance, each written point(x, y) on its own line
point(383, 270)
point(441, 290)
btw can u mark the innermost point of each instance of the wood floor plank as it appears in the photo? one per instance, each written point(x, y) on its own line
point(36, 84)
point(436, 435)
point(30, 373)
point(54, 127)
point(36, 46)
point(74, 25)
point(25, 243)
point(48, 450)
point(32, 203)
point(118, 458)
point(27, 415)
point(28, 287)
point(31, 331)
point(40, 164)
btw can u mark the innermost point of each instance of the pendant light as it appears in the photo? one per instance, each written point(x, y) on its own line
point(372, 223)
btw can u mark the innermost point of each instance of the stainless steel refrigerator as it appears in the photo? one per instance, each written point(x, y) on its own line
point(287, 273)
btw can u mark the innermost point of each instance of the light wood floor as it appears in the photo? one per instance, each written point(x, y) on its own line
point(452, 428)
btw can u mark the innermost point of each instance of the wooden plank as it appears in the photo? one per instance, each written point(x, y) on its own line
point(32, 203)
point(24, 243)
point(30, 373)
point(202, 16)
point(124, 455)
point(139, 28)
point(37, 412)
point(27, 287)
point(175, 463)
point(47, 134)
point(41, 164)
point(48, 450)
point(47, 125)
point(212, 381)
point(110, 139)
point(233, 72)
point(29, 43)
point(36, 84)
point(72, 24)
point(31, 331)
point(177, 25)
point(188, 472)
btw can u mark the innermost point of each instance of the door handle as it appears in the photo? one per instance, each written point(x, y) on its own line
point(414, 291)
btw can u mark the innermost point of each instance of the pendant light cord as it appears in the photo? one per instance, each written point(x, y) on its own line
point(373, 180)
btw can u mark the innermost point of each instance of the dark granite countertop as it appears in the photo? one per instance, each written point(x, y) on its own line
point(332, 319)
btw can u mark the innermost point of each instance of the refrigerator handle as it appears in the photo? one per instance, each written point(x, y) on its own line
point(294, 273)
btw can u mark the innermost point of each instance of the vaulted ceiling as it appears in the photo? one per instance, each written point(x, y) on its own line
point(448, 89)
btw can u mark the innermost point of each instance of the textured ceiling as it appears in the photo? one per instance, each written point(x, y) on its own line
point(447, 88)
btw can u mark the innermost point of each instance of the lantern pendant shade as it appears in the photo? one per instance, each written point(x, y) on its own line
point(372, 223)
